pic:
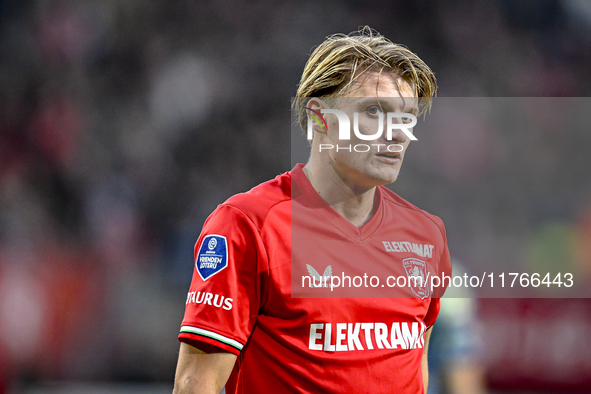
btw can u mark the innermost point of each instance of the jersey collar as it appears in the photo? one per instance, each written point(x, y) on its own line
point(304, 189)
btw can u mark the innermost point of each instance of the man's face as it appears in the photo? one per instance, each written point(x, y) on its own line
point(368, 97)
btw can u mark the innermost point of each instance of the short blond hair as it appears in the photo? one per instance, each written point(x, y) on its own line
point(342, 58)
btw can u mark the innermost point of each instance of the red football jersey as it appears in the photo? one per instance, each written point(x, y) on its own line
point(276, 304)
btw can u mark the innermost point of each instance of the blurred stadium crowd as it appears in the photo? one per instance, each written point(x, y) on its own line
point(125, 122)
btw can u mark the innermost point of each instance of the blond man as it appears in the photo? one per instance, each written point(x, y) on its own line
point(259, 317)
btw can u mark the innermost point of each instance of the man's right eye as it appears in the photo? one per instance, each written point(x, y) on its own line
point(373, 110)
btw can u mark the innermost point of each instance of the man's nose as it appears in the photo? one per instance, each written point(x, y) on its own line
point(398, 136)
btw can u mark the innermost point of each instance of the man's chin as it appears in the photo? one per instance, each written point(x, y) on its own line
point(386, 178)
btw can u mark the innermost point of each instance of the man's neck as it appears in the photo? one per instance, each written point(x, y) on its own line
point(357, 206)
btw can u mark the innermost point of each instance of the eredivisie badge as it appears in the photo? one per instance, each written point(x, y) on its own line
point(416, 273)
point(212, 256)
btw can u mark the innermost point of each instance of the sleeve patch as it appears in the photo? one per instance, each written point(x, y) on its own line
point(212, 256)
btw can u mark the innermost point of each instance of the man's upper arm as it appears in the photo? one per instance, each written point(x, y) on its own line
point(200, 372)
point(224, 296)
point(222, 302)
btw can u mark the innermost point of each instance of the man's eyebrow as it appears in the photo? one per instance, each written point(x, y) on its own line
point(409, 103)
point(370, 100)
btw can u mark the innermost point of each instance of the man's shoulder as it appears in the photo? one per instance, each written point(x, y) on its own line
point(400, 203)
point(261, 199)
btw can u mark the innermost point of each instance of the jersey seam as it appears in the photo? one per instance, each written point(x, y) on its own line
point(415, 209)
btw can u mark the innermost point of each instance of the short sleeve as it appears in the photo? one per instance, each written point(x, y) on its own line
point(224, 297)
point(432, 312)
point(443, 271)
point(443, 267)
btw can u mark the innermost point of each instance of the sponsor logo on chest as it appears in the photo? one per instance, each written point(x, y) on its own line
point(339, 337)
point(423, 250)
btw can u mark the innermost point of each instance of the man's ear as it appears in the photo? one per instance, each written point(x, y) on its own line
point(313, 108)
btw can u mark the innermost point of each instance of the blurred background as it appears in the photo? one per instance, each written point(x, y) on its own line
point(123, 123)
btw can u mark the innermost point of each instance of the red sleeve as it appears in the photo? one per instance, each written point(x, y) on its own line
point(224, 297)
point(444, 266)
point(433, 312)
point(443, 270)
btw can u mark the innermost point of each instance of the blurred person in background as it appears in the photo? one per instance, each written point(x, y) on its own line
point(455, 359)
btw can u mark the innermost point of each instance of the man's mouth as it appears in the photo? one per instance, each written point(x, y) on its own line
point(389, 155)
